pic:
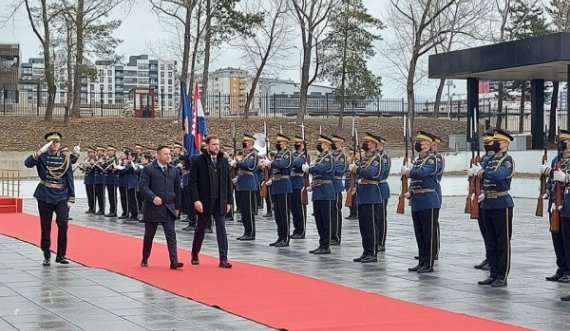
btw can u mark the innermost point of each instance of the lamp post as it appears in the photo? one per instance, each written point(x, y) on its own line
point(449, 84)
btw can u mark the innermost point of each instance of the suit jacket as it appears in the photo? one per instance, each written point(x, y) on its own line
point(200, 183)
point(156, 183)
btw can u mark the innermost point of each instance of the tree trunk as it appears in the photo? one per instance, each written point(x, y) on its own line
point(521, 109)
point(49, 70)
point(78, 60)
point(186, 49)
point(410, 92)
point(207, 46)
point(195, 52)
point(500, 97)
point(438, 95)
point(553, 113)
point(304, 90)
point(69, 67)
point(343, 78)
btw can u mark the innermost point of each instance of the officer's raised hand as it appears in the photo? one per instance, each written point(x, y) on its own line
point(45, 147)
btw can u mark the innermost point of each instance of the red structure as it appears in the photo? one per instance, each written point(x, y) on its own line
point(143, 101)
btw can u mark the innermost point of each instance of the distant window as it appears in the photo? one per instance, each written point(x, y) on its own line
point(109, 72)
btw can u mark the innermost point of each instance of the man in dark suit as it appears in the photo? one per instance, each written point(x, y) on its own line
point(211, 193)
point(160, 187)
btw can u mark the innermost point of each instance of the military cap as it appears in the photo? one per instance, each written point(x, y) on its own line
point(139, 147)
point(177, 145)
point(100, 148)
point(297, 139)
point(53, 136)
point(502, 135)
point(247, 137)
point(112, 148)
point(488, 136)
point(90, 149)
point(436, 139)
point(424, 135)
point(324, 139)
point(336, 138)
point(564, 135)
point(370, 137)
point(282, 137)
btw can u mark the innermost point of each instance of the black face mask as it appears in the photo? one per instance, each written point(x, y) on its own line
point(561, 146)
point(418, 147)
point(333, 147)
point(278, 147)
point(319, 148)
point(364, 146)
point(488, 148)
point(297, 147)
point(244, 145)
point(495, 147)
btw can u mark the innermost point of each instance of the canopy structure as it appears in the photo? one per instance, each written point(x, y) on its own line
point(537, 59)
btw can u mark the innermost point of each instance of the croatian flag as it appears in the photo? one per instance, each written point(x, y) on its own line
point(199, 128)
point(187, 120)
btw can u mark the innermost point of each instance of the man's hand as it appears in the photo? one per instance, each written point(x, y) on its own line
point(198, 206)
point(76, 149)
point(234, 180)
point(69, 204)
point(229, 207)
point(305, 167)
point(46, 147)
point(559, 176)
point(157, 201)
point(544, 168)
point(352, 167)
point(233, 163)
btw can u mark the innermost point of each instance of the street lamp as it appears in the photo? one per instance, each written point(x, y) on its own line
point(449, 84)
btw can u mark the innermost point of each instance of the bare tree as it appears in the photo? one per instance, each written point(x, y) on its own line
point(312, 17)
point(504, 9)
point(268, 43)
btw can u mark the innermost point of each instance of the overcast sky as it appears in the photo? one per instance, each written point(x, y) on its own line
point(143, 33)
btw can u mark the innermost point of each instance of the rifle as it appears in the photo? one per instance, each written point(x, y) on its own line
point(352, 181)
point(306, 179)
point(469, 180)
point(476, 186)
point(264, 191)
point(404, 178)
point(234, 170)
point(542, 192)
point(555, 217)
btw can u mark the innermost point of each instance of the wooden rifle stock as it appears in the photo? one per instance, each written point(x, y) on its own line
point(402, 197)
point(306, 183)
point(352, 185)
point(555, 217)
point(475, 185)
point(542, 193)
point(468, 198)
point(264, 190)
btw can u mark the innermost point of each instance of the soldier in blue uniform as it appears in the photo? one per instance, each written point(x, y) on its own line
point(99, 181)
point(424, 200)
point(89, 179)
point(110, 179)
point(127, 172)
point(368, 171)
point(298, 209)
point(340, 167)
point(385, 165)
point(353, 210)
point(280, 188)
point(54, 193)
point(122, 183)
point(440, 165)
point(561, 238)
point(246, 186)
point(489, 153)
point(497, 206)
point(185, 165)
point(322, 171)
point(144, 160)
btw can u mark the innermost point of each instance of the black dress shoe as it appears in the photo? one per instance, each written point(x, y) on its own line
point(499, 283)
point(247, 238)
point(132, 219)
point(487, 281)
point(61, 260)
point(564, 279)
point(240, 238)
point(111, 215)
point(297, 236)
point(566, 298)
point(144, 263)
point(177, 265)
point(481, 265)
point(323, 251)
point(358, 259)
point(369, 259)
point(351, 217)
point(312, 251)
point(282, 244)
point(487, 267)
point(100, 212)
point(225, 264)
point(123, 217)
point(90, 212)
point(554, 278)
point(195, 260)
point(425, 270)
point(268, 215)
point(275, 242)
point(335, 243)
point(188, 228)
point(209, 230)
point(46, 263)
point(381, 248)
point(413, 269)
point(416, 257)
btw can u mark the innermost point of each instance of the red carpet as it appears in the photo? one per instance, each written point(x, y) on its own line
point(272, 297)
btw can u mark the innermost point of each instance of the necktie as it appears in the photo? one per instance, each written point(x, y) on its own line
point(214, 161)
point(165, 170)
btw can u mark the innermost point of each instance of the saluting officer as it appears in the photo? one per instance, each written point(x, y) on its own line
point(424, 200)
point(110, 179)
point(385, 165)
point(340, 167)
point(54, 192)
point(561, 238)
point(89, 179)
point(100, 180)
point(298, 209)
point(440, 165)
point(281, 188)
point(324, 195)
point(369, 199)
point(497, 205)
point(246, 186)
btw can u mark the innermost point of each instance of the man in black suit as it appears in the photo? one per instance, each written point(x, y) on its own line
point(211, 193)
point(160, 187)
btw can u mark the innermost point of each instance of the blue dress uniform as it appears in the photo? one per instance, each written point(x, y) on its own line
point(298, 209)
point(385, 165)
point(498, 206)
point(187, 206)
point(369, 199)
point(280, 190)
point(487, 141)
point(440, 165)
point(89, 179)
point(340, 167)
point(246, 186)
point(425, 202)
point(111, 180)
point(128, 175)
point(122, 185)
point(99, 181)
point(324, 195)
point(53, 194)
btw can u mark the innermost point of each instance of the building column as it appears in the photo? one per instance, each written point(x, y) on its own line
point(472, 105)
point(537, 113)
point(567, 100)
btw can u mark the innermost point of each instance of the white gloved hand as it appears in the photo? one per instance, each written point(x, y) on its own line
point(481, 197)
point(69, 204)
point(76, 149)
point(119, 167)
point(544, 168)
point(233, 163)
point(46, 147)
point(552, 208)
point(269, 182)
point(404, 170)
point(470, 172)
point(408, 195)
point(234, 180)
point(305, 167)
point(475, 169)
point(140, 166)
point(559, 176)
point(351, 167)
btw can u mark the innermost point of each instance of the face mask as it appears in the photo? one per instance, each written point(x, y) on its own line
point(319, 148)
point(278, 147)
point(364, 146)
point(333, 147)
point(297, 147)
point(244, 145)
point(418, 147)
point(495, 147)
point(488, 148)
point(561, 146)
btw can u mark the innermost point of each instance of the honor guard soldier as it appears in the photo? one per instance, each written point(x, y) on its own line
point(122, 183)
point(54, 192)
point(340, 167)
point(324, 195)
point(385, 165)
point(558, 173)
point(246, 185)
point(424, 200)
point(228, 153)
point(369, 199)
point(440, 168)
point(489, 153)
point(100, 180)
point(137, 151)
point(298, 209)
point(127, 172)
point(145, 159)
point(353, 209)
point(281, 188)
point(177, 149)
point(188, 209)
point(497, 206)
point(110, 179)
point(87, 167)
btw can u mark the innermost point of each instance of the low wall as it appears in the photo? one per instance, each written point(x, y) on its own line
point(15, 161)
